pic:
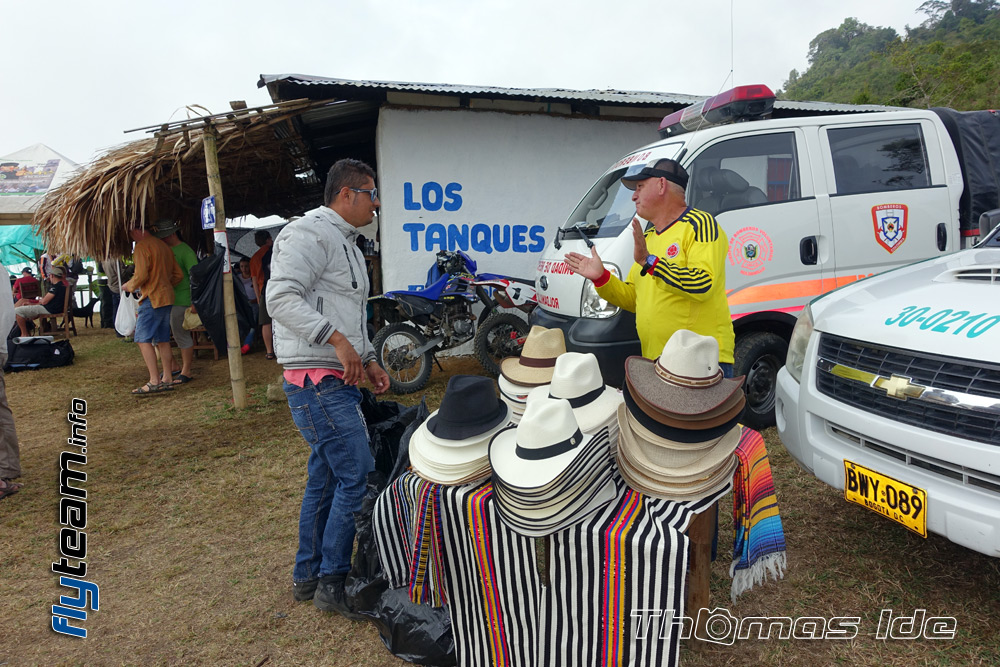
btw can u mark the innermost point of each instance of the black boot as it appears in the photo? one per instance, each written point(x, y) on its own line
point(330, 597)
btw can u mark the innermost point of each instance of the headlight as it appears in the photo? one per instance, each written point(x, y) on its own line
point(797, 345)
point(594, 306)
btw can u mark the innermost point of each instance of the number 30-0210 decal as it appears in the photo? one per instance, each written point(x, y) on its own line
point(943, 320)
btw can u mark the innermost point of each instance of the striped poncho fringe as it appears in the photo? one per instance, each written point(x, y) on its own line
point(759, 540)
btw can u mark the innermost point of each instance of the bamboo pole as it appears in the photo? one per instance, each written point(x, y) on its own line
point(229, 304)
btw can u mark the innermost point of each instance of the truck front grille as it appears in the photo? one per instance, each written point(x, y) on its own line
point(970, 408)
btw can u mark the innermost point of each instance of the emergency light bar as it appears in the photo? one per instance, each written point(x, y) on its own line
point(738, 104)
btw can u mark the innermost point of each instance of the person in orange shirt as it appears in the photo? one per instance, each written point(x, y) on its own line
point(156, 273)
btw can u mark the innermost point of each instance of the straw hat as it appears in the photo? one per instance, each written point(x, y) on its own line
point(677, 492)
point(542, 446)
point(538, 358)
point(538, 505)
point(513, 393)
point(685, 379)
point(577, 378)
point(667, 460)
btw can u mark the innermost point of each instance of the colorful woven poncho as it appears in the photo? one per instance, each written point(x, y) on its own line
point(758, 541)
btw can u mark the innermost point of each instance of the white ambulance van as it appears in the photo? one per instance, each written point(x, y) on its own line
point(809, 204)
point(891, 392)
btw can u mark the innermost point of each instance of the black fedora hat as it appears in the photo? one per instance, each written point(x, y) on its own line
point(469, 408)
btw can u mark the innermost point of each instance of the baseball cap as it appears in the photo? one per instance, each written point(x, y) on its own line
point(662, 168)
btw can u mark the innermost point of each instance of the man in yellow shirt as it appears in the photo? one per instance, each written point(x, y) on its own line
point(678, 280)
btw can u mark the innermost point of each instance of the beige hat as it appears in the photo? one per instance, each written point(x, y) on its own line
point(682, 462)
point(686, 379)
point(677, 492)
point(537, 362)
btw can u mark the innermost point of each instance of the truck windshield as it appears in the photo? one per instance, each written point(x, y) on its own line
point(608, 209)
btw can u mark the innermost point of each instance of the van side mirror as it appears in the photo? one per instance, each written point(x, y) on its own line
point(987, 221)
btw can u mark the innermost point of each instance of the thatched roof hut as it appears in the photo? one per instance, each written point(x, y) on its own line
point(264, 165)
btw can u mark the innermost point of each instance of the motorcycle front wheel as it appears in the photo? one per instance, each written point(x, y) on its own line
point(394, 345)
point(500, 335)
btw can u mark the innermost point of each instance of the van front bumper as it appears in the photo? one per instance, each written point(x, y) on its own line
point(611, 340)
point(820, 433)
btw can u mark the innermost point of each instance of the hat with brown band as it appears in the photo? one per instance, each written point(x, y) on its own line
point(537, 362)
point(685, 379)
point(716, 417)
point(678, 463)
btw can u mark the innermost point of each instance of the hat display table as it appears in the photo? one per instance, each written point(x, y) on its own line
point(613, 581)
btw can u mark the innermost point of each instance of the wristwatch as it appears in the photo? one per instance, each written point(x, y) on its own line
point(648, 265)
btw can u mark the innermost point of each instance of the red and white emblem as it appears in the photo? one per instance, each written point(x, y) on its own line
point(890, 222)
point(673, 250)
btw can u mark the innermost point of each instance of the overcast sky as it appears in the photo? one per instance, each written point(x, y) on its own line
point(78, 74)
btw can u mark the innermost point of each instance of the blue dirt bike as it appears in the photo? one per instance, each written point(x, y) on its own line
point(438, 317)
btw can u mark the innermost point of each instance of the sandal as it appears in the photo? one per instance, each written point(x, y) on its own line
point(9, 488)
point(150, 388)
point(180, 379)
point(270, 355)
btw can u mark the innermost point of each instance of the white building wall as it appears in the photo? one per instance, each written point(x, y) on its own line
point(496, 185)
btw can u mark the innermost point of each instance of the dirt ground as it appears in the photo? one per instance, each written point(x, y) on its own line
point(192, 521)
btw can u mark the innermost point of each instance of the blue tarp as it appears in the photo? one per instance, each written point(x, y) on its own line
point(18, 244)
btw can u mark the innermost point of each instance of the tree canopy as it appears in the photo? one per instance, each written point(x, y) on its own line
point(952, 59)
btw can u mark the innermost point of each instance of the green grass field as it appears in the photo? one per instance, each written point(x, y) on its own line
point(192, 521)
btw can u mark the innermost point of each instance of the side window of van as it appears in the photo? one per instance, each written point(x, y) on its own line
point(745, 171)
point(878, 158)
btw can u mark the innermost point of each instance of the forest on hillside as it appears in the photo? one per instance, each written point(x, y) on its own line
point(952, 59)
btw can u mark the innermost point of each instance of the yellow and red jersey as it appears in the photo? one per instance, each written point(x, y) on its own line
point(685, 289)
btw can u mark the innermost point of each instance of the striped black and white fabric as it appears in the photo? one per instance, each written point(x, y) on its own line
point(612, 579)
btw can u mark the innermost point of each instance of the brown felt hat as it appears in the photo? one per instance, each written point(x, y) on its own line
point(537, 362)
point(666, 460)
point(718, 416)
point(686, 380)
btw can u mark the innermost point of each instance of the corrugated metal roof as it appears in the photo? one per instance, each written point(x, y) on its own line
point(607, 97)
point(596, 96)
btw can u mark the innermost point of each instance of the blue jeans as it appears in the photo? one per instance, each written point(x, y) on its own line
point(329, 417)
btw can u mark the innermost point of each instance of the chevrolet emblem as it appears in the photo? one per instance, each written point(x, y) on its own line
point(899, 387)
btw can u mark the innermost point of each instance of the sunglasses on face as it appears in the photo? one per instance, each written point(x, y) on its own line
point(373, 192)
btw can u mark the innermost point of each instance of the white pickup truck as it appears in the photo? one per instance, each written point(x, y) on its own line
point(891, 392)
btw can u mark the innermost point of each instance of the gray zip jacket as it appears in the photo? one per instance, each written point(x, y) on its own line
point(318, 285)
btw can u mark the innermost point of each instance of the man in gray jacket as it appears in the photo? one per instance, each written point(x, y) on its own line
point(316, 297)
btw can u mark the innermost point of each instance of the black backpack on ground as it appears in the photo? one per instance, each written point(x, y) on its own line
point(37, 353)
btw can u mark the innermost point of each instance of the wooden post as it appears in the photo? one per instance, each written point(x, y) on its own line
point(228, 303)
point(700, 533)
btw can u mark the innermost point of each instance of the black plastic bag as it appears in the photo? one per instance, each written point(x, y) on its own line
point(206, 295)
point(414, 632)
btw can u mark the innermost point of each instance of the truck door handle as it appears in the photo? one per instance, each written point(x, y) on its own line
point(942, 236)
point(808, 250)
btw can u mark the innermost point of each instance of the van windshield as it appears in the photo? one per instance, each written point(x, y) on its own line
point(608, 209)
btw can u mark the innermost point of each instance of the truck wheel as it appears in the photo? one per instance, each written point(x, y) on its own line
point(759, 356)
point(394, 345)
point(500, 335)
